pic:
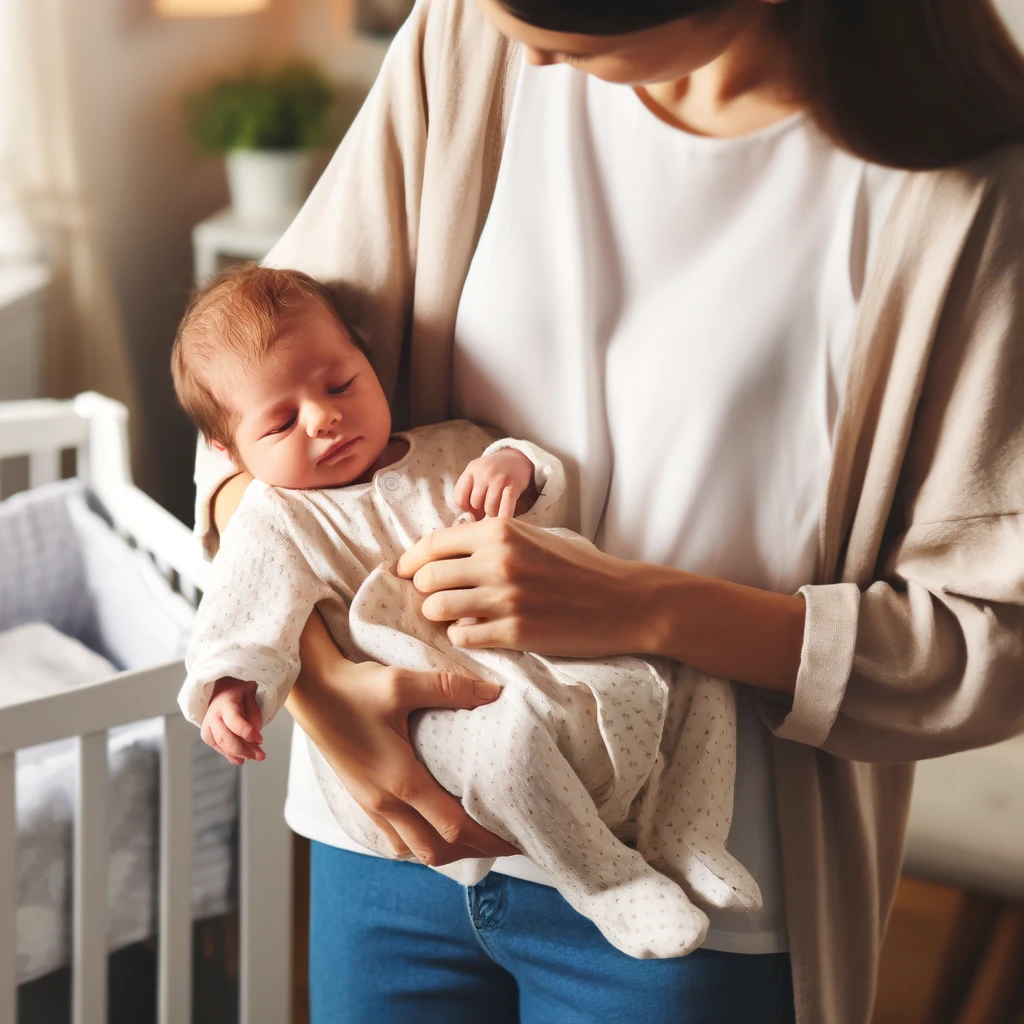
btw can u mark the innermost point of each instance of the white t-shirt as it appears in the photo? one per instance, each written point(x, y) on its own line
point(671, 316)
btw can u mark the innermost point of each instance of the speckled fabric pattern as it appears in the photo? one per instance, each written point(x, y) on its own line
point(615, 776)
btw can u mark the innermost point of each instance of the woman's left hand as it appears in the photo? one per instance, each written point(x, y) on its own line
point(527, 588)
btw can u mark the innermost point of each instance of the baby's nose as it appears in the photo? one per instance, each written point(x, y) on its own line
point(320, 419)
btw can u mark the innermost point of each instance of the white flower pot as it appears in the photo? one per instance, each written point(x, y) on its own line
point(268, 186)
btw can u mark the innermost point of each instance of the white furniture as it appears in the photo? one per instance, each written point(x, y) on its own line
point(966, 825)
point(224, 237)
point(96, 429)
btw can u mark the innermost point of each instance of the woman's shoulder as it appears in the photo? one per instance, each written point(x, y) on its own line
point(459, 41)
point(996, 178)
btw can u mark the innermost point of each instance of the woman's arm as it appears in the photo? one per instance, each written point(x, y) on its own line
point(538, 591)
point(357, 715)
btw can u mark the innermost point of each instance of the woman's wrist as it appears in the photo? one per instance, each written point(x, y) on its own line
point(752, 636)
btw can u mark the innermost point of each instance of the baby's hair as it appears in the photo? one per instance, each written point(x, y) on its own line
point(238, 317)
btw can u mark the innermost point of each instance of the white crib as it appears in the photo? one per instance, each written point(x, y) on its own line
point(95, 428)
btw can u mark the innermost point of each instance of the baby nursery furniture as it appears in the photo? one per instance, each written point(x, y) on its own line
point(98, 550)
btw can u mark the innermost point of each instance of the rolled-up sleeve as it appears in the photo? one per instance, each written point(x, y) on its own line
point(925, 663)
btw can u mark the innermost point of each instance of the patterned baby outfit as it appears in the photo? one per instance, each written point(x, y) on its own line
point(615, 775)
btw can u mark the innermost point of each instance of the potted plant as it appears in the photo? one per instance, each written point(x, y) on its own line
point(266, 122)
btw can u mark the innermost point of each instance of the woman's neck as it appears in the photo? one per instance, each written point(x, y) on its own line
point(750, 86)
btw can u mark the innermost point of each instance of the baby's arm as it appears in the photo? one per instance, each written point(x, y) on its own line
point(244, 654)
point(513, 478)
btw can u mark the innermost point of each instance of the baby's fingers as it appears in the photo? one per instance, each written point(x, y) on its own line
point(207, 736)
point(231, 745)
point(506, 503)
point(239, 719)
point(463, 490)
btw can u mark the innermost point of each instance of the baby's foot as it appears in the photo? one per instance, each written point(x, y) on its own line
point(647, 916)
point(710, 874)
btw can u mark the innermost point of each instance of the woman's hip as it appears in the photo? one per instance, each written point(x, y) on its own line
point(397, 942)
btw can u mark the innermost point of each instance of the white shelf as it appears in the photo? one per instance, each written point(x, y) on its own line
point(224, 235)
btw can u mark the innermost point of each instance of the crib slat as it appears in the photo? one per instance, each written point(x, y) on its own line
point(89, 943)
point(8, 888)
point(265, 883)
point(43, 467)
point(175, 943)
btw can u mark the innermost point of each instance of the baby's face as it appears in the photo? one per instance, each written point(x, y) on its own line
point(312, 414)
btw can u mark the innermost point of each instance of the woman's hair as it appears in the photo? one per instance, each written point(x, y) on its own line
point(236, 319)
point(908, 83)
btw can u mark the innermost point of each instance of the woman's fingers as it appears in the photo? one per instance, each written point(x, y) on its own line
point(450, 574)
point(451, 823)
point(471, 632)
point(397, 844)
point(449, 605)
point(451, 542)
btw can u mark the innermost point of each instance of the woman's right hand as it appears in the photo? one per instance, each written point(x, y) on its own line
point(358, 716)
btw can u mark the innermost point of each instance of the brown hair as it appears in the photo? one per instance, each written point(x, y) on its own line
point(238, 316)
point(919, 84)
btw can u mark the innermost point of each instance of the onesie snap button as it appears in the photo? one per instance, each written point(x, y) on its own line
point(391, 482)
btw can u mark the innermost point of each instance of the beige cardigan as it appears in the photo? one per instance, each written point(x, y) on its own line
point(914, 641)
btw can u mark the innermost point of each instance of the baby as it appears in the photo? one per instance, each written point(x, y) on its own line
point(572, 754)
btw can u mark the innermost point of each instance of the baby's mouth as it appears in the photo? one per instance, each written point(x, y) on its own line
point(336, 451)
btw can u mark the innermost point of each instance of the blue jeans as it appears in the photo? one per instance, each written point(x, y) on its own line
point(396, 943)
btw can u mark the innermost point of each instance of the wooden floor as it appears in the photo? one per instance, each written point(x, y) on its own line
point(950, 957)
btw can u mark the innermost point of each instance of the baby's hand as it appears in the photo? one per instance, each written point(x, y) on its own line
point(232, 722)
point(492, 484)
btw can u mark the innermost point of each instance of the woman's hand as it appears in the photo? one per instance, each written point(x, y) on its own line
point(555, 593)
point(358, 715)
point(531, 589)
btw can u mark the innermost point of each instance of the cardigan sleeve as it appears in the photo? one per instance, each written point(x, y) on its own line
point(927, 658)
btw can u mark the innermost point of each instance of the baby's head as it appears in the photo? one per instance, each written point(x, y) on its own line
point(268, 371)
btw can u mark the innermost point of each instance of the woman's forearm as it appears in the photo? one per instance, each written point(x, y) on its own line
point(319, 658)
point(742, 633)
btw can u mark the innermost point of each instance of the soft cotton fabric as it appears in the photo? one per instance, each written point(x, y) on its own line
point(555, 765)
point(672, 314)
point(914, 634)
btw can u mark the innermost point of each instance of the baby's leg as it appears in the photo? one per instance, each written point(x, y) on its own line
point(520, 787)
point(686, 809)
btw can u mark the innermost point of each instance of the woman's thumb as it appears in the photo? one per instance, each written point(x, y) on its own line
point(449, 690)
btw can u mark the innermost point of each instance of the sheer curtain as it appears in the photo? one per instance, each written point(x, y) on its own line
point(45, 208)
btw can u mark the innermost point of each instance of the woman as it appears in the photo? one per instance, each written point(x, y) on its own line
point(787, 371)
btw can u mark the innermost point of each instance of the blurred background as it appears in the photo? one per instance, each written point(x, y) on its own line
point(113, 201)
point(101, 184)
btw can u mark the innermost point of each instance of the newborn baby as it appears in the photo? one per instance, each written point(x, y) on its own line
point(576, 759)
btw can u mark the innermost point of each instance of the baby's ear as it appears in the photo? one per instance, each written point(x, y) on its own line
point(220, 446)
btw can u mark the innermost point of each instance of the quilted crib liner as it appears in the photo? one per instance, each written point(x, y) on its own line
point(62, 564)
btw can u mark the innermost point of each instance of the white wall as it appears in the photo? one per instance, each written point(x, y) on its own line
point(131, 69)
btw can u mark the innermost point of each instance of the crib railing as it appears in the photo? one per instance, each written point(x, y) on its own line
point(96, 429)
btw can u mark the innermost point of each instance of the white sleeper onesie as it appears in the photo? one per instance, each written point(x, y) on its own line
point(574, 762)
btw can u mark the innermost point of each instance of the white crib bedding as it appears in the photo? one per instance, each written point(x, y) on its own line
point(77, 604)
